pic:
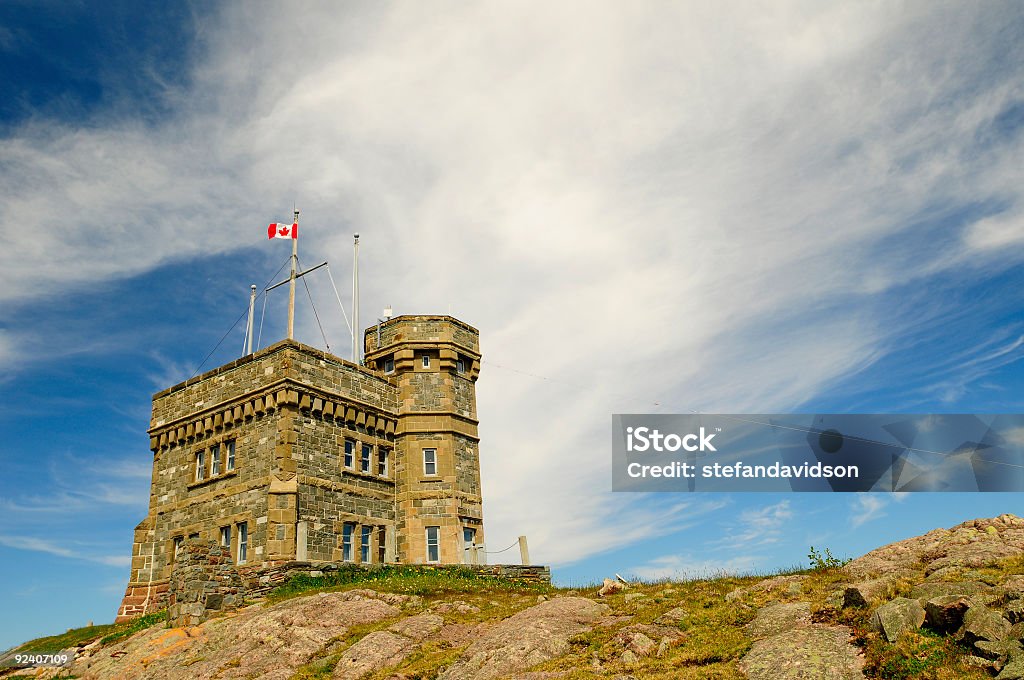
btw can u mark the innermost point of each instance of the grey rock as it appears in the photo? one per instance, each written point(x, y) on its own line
point(777, 618)
point(946, 612)
point(898, 616)
point(982, 624)
point(818, 652)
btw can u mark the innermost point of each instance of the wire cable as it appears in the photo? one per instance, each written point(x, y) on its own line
point(315, 315)
point(224, 337)
point(495, 552)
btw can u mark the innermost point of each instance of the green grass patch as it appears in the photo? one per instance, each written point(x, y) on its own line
point(405, 580)
point(106, 633)
point(134, 626)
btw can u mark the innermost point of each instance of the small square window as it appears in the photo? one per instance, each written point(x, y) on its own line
point(229, 446)
point(200, 466)
point(350, 453)
point(426, 361)
point(193, 537)
point(433, 544)
point(430, 461)
point(389, 365)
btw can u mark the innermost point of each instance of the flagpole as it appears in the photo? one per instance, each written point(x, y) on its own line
point(291, 284)
point(356, 354)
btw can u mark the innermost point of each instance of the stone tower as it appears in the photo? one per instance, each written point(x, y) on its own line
point(293, 454)
point(435, 361)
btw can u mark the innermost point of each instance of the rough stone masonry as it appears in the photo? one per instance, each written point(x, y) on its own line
point(293, 454)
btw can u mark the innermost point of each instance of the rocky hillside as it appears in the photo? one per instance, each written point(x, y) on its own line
point(949, 604)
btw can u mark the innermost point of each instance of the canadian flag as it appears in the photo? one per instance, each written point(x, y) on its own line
point(281, 230)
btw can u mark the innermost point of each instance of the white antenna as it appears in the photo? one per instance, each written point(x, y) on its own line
point(388, 313)
point(357, 355)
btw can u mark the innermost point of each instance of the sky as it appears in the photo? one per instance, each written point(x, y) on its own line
point(792, 207)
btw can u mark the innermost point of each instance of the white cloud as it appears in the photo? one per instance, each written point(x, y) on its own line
point(35, 544)
point(866, 507)
point(694, 206)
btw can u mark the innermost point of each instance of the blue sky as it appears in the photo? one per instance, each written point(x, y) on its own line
point(672, 208)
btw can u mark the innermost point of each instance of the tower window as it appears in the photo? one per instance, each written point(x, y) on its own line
point(389, 365)
point(350, 453)
point(229, 447)
point(200, 466)
point(426, 361)
point(225, 537)
point(346, 541)
point(433, 544)
point(382, 462)
point(430, 461)
point(243, 542)
point(460, 365)
point(364, 459)
point(214, 460)
point(365, 538)
point(381, 544)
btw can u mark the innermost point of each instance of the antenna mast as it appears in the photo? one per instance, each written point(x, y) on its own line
point(357, 355)
point(291, 285)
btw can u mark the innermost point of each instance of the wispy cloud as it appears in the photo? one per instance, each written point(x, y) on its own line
point(705, 207)
point(35, 544)
point(866, 507)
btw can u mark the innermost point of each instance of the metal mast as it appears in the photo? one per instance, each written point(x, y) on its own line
point(291, 285)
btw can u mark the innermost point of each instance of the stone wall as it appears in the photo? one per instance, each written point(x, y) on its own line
point(204, 582)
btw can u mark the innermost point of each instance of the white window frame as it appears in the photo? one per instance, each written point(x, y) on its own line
point(243, 542)
point(365, 543)
point(365, 458)
point(433, 542)
point(229, 445)
point(350, 454)
point(215, 460)
point(200, 466)
point(347, 529)
point(430, 462)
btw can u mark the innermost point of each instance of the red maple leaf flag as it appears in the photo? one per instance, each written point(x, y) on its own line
point(281, 230)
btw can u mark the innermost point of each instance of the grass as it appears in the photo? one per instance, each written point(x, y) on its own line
point(405, 581)
point(711, 641)
point(106, 633)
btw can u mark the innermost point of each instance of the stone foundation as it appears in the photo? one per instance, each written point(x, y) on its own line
point(144, 598)
point(204, 582)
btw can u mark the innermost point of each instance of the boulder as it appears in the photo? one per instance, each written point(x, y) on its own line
point(862, 594)
point(819, 652)
point(526, 639)
point(929, 589)
point(982, 624)
point(946, 612)
point(777, 618)
point(610, 587)
point(374, 651)
point(898, 616)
